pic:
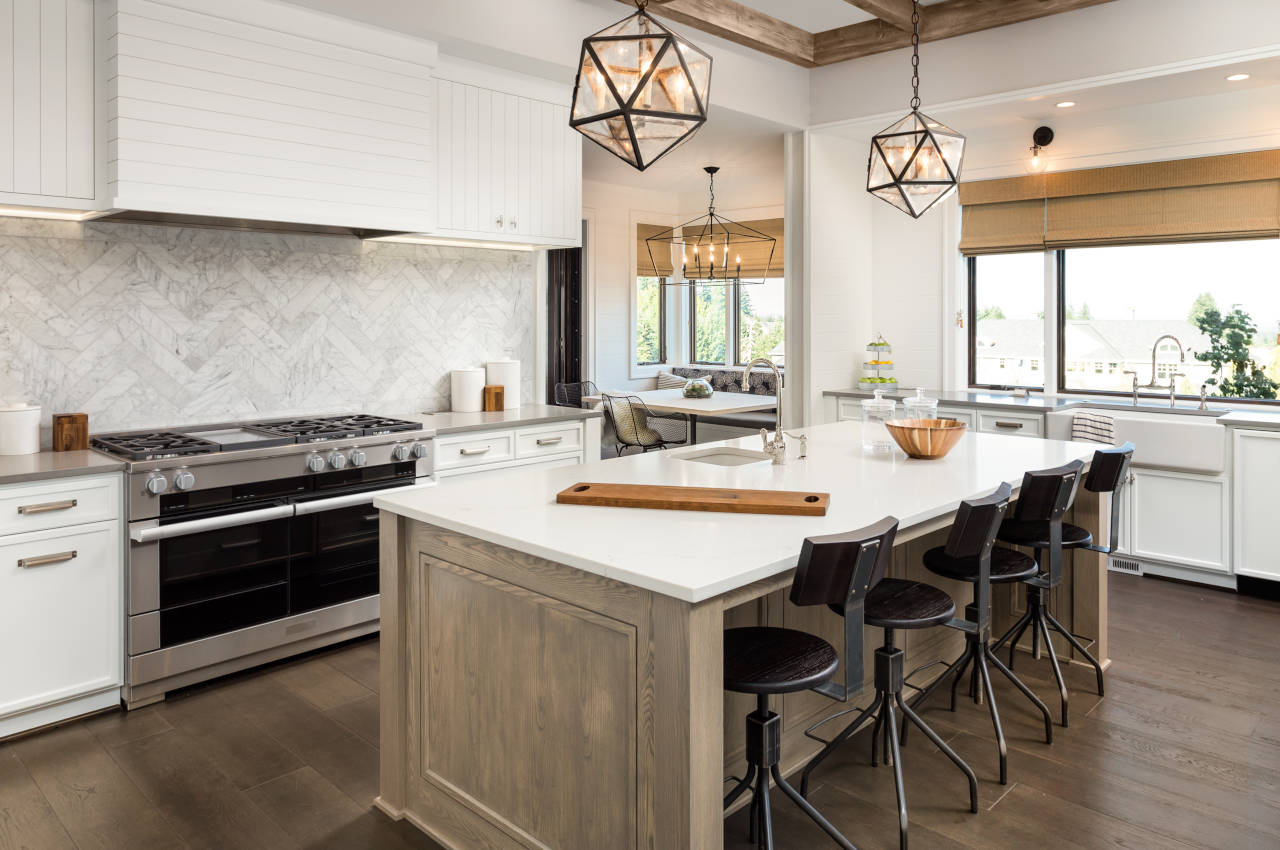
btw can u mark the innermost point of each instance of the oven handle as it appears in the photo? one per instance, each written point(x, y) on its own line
point(335, 502)
point(195, 526)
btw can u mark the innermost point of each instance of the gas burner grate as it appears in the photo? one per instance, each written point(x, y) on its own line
point(311, 430)
point(372, 426)
point(152, 445)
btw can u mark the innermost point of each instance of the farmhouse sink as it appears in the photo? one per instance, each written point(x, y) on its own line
point(1183, 441)
point(722, 456)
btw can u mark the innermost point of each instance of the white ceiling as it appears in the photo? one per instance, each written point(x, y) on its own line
point(743, 146)
point(814, 15)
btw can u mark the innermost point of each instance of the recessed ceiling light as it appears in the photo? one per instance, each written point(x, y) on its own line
point(1235, 78)
point(1066, 104)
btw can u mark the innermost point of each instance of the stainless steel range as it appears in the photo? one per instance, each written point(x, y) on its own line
point(252, 541)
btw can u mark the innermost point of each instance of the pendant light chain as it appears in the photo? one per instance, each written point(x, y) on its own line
point(915, 55)
point(711, 205)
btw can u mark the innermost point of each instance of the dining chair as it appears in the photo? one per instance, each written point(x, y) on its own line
point(636, 426)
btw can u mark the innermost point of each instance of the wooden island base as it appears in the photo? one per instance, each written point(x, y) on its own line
point(528, 704)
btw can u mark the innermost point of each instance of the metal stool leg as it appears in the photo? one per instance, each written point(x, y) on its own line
point(891, 730)
point(981, 662)
point(765, 839)
point(1029, 694)
point(910, 715)
point(1071, 639)
point(809, 810)
point(835, 742)
point(1057, 670)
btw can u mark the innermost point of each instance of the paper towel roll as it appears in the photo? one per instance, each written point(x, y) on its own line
point(466, 390)
point(505, 373)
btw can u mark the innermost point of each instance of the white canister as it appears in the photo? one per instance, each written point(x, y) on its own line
point(506, 374)
point(19, 428)
point(466, 390)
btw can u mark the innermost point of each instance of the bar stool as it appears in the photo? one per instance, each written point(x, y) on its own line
point(970, 555)
point(1037, 523)
point(894, 604)
point(833, 570)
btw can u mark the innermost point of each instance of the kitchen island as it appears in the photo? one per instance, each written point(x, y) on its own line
point(552, 674)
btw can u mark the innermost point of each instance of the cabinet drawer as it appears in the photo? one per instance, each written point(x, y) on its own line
point(474, 449)
point(959, 414)
point(544, 440)
point(1018, 424)
point(58, 503)
point(61, 605)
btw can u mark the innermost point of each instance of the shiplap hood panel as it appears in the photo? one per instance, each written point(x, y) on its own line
point(258, 110)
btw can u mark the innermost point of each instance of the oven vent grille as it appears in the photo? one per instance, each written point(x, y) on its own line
point(1124, 565)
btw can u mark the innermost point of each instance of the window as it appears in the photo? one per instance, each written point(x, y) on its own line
point(708, 322)
point(651, 321)
point(1221, 300)
point(1006, 320)
point(761, 308)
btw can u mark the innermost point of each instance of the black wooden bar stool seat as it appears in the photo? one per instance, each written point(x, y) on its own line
point(1007, 565)
point(763, 660)
point(894, 604)
point(1034, 534)
point(834, 570)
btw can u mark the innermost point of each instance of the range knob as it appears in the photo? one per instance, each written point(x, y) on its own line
point(156, 484)
point(420, 450)
point(338, 460)
point(315, 463)
point(184, 479)
point(400, 452)
point(358, 457)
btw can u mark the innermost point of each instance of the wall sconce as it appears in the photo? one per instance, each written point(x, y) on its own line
point(1040, 139)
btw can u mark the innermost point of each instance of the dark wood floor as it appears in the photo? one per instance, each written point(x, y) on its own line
point(1183, 752)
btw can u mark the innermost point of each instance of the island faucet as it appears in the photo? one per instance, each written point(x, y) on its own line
point(777, 448)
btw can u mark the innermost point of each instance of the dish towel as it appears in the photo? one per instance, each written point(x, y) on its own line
point(1093, 427)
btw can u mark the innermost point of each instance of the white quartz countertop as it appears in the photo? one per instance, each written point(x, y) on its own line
point(695, 555)
point(1250, 419)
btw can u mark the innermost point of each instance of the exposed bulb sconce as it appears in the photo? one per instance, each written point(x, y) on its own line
point(1040, 139)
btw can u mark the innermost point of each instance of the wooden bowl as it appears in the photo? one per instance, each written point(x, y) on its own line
point(925, 438)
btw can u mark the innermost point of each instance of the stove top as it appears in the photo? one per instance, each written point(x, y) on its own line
point(153, 445)
point(236, 436)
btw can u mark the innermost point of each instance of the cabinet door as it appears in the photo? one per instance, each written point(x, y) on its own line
point(60, 601)
point(1181, 519)
point(47, 129)
point(1256, 466)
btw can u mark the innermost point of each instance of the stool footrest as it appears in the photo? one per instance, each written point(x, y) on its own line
point(906, 680)
point(808, 733)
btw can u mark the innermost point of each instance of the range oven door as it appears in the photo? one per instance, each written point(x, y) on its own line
point(334, 551)
point(200, 577)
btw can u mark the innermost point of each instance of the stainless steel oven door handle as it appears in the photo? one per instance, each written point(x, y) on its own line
point(320, 505)
point(195, 526)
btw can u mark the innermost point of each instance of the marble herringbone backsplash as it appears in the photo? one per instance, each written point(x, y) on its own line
point(143, 326)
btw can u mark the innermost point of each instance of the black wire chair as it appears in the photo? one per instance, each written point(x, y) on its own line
point(636, 426)
point(571, 395)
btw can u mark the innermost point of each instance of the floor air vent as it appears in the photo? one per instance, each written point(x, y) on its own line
point(1124, 565)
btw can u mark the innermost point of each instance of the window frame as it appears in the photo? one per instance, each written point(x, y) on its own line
point(662, 323)
point(971, 272)
point(730, 325)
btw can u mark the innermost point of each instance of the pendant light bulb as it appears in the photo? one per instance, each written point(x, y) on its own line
point(1038, 163)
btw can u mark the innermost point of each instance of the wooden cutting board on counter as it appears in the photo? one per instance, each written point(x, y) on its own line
point(715, 499)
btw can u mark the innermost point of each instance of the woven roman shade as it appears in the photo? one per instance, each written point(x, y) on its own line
point(1235, 196)
point(660, 263)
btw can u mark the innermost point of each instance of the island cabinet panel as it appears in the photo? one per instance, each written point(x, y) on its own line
point(518, 687)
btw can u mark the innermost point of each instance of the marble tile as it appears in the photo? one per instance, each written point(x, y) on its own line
point(140, 326)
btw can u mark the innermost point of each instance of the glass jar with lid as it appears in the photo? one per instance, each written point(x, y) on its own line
point(920, 407)
point(875, 413)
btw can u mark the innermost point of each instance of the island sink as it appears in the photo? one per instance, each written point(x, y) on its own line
point(723, 456)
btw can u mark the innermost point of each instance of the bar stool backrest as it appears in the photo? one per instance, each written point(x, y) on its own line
point(973, 535)
point(1109, 469)
point(1047, 494)
point(838, 570)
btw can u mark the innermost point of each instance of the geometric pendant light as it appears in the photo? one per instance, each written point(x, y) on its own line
point(641, 89)
point(915, 162)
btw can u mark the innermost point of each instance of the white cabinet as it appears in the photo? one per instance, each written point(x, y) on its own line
point(1012, 424)
point(959, 414)
point(548, 444)
point(262, 110)
point(1182, 519)
point(47, 129)
point(61, 602)
point(508, 166)
point(1256, 468)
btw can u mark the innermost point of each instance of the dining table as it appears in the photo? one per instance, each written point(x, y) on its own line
point(717, 404)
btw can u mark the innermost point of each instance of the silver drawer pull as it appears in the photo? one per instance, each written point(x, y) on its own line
point(46, 507)
point(549, 441)
point(471, 452)
point(1012, 425)
point(43, 560)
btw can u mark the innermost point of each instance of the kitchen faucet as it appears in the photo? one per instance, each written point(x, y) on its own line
point(777, 448)
point(1173, 377)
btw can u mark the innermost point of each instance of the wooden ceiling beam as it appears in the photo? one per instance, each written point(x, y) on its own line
point(896, 13)
point(937, 21)
point(741, 25)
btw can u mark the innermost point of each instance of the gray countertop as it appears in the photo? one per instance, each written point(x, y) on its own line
point(46, 465)
point(528, 414)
